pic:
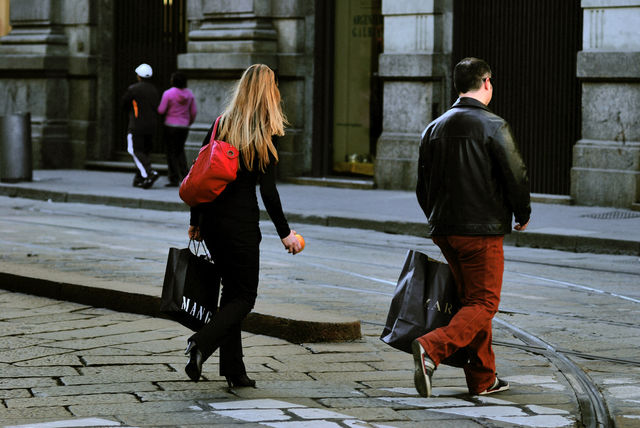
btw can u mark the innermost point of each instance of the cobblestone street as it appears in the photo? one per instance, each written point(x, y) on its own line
point(105, 368)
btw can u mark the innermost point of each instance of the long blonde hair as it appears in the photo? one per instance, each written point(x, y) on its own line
point(254, 115)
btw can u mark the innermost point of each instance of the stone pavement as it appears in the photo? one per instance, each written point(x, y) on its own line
point(554, 224)
point(64, 364)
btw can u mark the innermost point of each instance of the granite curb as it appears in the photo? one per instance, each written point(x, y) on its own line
point(532, 239)
point(293, 323)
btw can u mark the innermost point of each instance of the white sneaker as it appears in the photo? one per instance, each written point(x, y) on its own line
point(498, 385)
point(424, 368)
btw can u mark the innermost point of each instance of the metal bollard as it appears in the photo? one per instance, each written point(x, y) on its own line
point(15, 148)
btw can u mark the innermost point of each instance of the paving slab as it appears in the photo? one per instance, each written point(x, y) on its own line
point(123, 389)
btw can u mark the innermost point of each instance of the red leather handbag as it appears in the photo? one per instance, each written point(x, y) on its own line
point(215, 166)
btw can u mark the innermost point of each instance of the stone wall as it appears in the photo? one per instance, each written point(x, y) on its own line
point(49, 70)
point(606, 161)
point(225, 37)
point(56, 63)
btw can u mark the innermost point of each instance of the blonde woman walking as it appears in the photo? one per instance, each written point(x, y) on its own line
point(230, 224)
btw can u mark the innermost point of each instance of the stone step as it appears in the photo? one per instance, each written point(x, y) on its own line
point(121, 166)
point(339, 182)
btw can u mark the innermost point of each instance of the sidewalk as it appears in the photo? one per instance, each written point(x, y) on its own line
point(555, 226)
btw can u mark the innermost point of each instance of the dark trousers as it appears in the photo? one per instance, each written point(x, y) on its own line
point(477, 264)
point(235, 249)
point(175, 138)
point(139, 147)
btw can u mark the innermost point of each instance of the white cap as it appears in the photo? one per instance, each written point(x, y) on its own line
point(144, 70)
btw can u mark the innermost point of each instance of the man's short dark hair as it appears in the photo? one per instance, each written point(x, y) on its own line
point(468, 74)
point(179, 80)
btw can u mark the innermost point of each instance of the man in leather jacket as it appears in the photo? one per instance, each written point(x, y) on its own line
point(471, 181)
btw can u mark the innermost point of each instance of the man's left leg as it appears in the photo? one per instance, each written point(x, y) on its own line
point(482, 362)
point(477, 263)
point(481, 373)
point(141, 172)
point(143, 147)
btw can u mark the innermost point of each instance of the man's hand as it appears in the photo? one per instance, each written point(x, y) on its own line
point(521, 228)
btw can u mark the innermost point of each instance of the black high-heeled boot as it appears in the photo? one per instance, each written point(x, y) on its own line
point(193, 369)
point(240, 381)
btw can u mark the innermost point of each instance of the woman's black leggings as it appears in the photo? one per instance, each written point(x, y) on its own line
point(235, 249)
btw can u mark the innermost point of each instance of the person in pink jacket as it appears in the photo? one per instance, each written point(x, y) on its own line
point(178, 106)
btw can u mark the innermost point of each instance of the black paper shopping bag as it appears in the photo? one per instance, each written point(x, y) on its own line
point(425, 298)
point(191, 288)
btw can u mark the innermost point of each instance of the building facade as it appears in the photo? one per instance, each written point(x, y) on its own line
point(360, 79)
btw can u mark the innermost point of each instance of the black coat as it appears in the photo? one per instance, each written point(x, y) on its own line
point(238, 203)
point(471, 177)
point(143, 118)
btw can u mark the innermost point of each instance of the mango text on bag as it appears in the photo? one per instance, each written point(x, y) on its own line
point(198, 311)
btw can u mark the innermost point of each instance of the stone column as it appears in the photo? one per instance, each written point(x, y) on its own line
point(293, 21)
point(34, 68)
point(225, 37)
point(100, 85)
point(606, 161)
point(415, 68)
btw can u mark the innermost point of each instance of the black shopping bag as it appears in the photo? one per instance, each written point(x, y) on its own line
point(425, 298)
point(190, 289)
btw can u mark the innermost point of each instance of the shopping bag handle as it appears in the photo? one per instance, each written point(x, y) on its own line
point(196, 248)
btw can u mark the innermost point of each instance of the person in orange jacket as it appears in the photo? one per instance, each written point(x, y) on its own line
point(141, 100)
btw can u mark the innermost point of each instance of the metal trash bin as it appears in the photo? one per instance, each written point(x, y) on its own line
point(15, 148)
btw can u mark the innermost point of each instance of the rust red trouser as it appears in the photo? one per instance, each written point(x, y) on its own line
point(477, 263)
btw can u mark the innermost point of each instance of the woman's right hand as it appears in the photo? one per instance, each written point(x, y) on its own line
point(194, 233)
point(291, 243)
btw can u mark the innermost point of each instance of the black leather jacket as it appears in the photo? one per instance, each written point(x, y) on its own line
point(471, 177)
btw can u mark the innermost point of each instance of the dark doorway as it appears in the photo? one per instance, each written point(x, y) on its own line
point(531, 47)
point(149, 31)
point(347, 89)
point(322, 81)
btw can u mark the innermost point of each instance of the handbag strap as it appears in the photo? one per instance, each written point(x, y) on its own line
point(232, 152)
point(215, 129)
